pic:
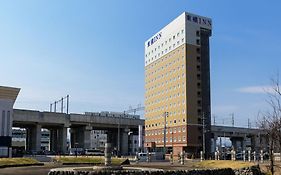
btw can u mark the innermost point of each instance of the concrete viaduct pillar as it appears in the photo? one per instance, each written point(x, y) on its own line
point(124, 142)
point(58, 139)
point(81, 136)
point(214, 143)
point(238, 143)
point(255, 143)
point(33, 138)
point(62, 139)
point(86, 135)
point(53, 140)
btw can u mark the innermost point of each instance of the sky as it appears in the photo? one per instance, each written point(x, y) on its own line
point(94, 51)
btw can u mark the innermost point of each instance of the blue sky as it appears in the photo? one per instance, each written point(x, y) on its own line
point(93, 51)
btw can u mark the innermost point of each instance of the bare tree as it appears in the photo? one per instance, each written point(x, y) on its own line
point(271, 120)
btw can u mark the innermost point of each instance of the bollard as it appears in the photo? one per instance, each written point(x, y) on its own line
point(249, 155)
point(137, 157)
point(171, 158)
point(147, 157)
point(216, 155)
point(107, 154)
point(261, 156)
point(244, 156)
point(182, 158)
point(254, 156)
point(201, 156)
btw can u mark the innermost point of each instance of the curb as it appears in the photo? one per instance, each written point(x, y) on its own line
point(82, 164)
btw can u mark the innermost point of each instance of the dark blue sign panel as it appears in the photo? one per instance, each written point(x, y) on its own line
point(5, 141)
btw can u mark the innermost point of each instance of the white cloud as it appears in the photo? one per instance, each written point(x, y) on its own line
point(256, 89)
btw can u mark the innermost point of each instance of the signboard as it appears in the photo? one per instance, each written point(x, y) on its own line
point(5, 141)
point(154, 39)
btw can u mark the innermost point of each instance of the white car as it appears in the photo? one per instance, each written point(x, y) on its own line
point(94, 152)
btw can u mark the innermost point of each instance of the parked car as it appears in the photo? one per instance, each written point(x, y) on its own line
point(76, 151)
point(94, 152)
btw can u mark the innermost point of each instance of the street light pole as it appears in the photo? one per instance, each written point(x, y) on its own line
point(118, 135)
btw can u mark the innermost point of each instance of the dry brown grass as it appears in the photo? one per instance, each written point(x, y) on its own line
point(87, 159)
point(17, 161)
point(213, 164)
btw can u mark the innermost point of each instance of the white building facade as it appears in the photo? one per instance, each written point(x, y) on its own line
point(8, 97)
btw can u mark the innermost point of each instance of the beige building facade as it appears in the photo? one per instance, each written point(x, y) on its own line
point(177, 86)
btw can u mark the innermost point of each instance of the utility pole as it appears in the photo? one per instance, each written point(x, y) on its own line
point(55, 106)
point(51, 107)
point(61, 108)
point(214, 119)
point(67, 104)
point(249, 123)
point(118, 136)
point(232, 119)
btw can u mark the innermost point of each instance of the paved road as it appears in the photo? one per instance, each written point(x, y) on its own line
point(25, 171)
point(32, 170)
point(43, 170)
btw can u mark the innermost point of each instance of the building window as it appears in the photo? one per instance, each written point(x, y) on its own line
point(197, 33)
point(198, 50)
point(198, 94)
point(8, 122)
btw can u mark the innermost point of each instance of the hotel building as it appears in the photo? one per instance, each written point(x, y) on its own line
point(177, 86)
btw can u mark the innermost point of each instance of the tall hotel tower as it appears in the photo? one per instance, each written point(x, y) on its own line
point(177, 86)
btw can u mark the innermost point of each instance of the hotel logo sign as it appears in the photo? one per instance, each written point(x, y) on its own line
point(199, 20)
point(154, 39)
